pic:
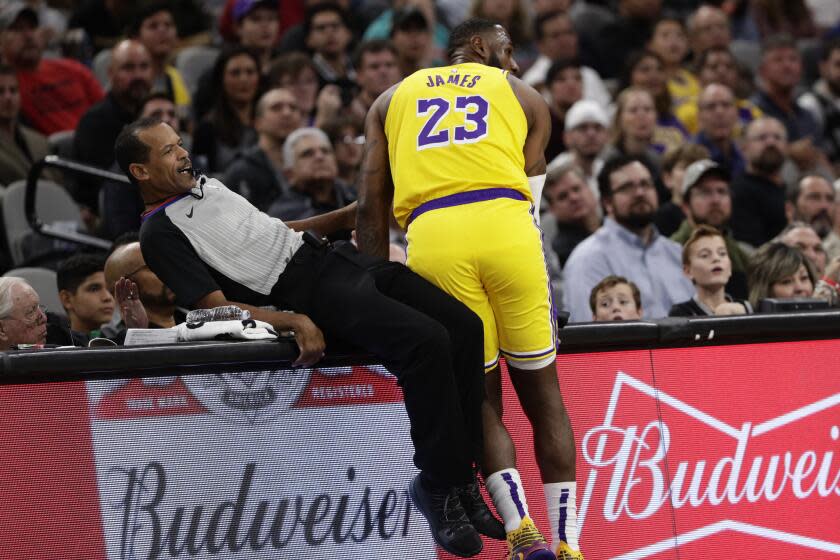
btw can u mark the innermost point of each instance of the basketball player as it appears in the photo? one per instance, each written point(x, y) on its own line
point(458, 151)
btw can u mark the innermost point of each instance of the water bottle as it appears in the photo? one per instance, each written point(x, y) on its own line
point(222, 313)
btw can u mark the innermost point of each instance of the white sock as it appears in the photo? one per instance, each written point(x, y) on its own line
point(562, 513)
point(505, 488)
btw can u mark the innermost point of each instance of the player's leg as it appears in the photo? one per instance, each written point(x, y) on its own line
point(554, 446)
point(447, 264)
point(347, 305)
point(503, 481)
point(520, 293)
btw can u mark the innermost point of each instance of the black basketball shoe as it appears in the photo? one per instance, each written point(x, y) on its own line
point(451, 528)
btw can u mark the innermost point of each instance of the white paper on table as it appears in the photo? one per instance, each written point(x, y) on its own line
point(136, 337)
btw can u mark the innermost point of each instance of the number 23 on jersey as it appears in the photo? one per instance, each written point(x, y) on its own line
point(475, 109)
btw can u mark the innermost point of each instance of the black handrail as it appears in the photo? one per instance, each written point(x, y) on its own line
point(72, 364)
point(32, 190)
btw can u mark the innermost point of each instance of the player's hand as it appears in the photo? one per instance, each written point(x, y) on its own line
point(310, 341)
point(131, 308)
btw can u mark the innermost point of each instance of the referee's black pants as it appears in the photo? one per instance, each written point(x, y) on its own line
point(430, 341)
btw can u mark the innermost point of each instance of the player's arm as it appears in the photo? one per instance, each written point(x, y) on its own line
point(325, 224)
point(376, 188)
point(539, 131)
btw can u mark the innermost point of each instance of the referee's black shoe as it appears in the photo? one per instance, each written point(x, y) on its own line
point(451, 528)
point(479, 514)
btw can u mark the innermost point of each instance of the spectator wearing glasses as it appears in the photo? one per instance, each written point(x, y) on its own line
point(328, 37)
point(628, 244)
point(23, 320)
point(312, 172)
point(717, 65)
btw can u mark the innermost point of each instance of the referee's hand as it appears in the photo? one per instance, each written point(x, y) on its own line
point(310, 341)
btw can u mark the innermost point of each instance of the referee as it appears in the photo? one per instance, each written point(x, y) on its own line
point(213, 248)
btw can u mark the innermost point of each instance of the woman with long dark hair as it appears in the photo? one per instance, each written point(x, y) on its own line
point(228, 127)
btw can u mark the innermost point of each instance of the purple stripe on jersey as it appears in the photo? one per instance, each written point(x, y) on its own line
point(468, 197)
point(552, 308)
point(514, 494)
point(530, 354)
point(561, 529)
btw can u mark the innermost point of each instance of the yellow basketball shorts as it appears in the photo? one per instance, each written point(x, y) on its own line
point(489, 255)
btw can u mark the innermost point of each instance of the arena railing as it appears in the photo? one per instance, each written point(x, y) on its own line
point(72, 364)
point(31, 195)
point(692, 434)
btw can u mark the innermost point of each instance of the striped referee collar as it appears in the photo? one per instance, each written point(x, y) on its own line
point(169, 201)
point(175, 198)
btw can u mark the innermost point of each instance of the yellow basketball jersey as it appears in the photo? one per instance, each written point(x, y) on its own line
point(454, 129)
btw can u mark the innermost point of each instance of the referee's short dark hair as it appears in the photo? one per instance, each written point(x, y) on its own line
point(462, 34)
point(75, 269)
point(129, 148)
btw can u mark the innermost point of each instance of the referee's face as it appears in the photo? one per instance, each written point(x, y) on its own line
point(169, 169)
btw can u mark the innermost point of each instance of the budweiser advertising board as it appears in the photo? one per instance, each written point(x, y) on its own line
point(715, 452)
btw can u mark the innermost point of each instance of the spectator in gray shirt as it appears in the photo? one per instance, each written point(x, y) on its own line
point(628, 244)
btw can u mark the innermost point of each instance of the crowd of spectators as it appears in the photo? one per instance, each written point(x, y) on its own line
point(692, 165)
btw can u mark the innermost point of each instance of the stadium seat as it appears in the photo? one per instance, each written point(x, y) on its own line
point(192, 62)
point(61, 143)
point(100, 66)
point(53, 205)
point(43, 281)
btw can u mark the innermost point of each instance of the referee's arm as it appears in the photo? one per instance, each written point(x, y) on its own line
point(309, 338)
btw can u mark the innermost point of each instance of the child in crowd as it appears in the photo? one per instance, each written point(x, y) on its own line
point(615, 298)
point(706, 263)
point(81, 287)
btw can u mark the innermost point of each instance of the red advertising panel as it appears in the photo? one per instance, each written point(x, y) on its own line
point(751, 433)
point(715, 452)
point(49, 500)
